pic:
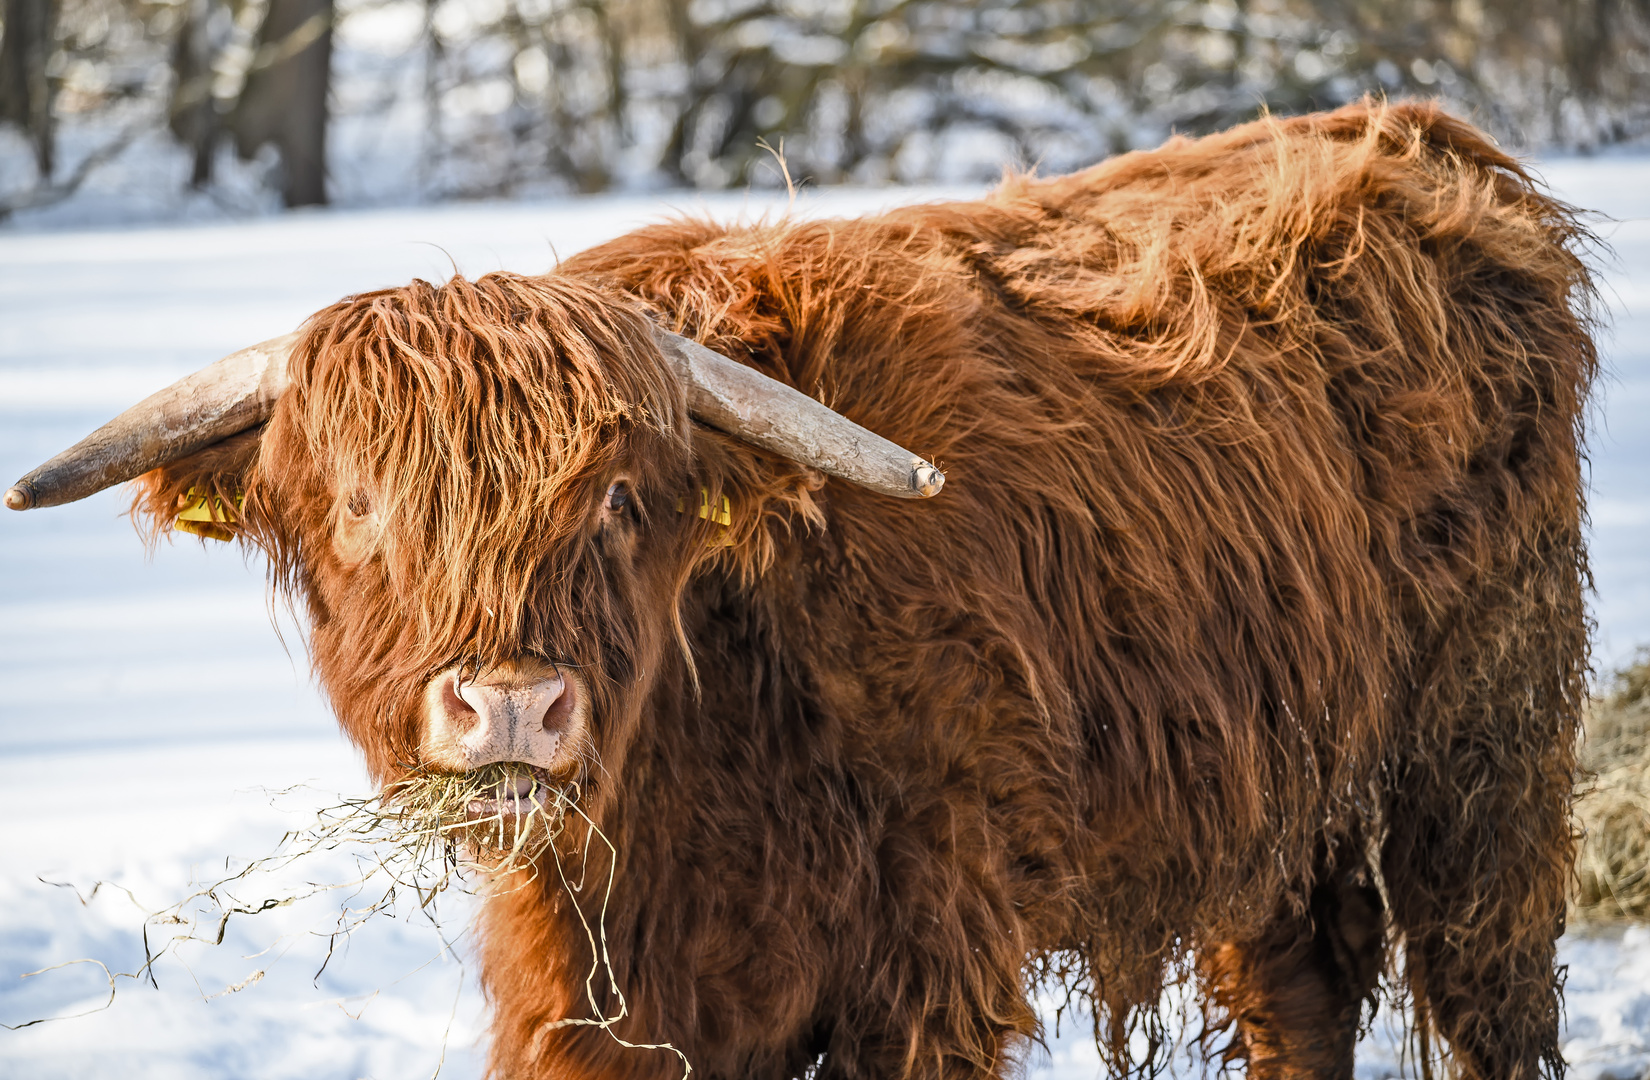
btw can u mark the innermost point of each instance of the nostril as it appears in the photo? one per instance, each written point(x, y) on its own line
point(559, 709)
point(452, 699)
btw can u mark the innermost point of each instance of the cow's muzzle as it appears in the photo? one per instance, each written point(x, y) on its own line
point(527, 711)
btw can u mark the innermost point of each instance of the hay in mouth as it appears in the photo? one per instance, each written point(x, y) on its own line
point(501, 816)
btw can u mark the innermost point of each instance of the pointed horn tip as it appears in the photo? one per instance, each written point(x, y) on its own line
point(20, 496)
point(927, 480)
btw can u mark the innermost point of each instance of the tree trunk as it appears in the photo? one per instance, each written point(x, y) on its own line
point(193, 117)
point(285, 99)
point(25, 91)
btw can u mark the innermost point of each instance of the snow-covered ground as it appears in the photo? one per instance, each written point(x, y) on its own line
point(149, 713)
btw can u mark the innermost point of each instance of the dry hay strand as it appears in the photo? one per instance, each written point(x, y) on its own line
point(503, 818)
point(1613, 802)
point(484, 831)
point(424, 834)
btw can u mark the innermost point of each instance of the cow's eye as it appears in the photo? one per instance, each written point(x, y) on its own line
point(355, 532)
point(618, 496)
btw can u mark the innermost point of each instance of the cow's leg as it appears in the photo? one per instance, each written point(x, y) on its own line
point(1479, 897)
point(863, 1051)
point(1479, 847)
point(933, 1015)
point(1294, 994)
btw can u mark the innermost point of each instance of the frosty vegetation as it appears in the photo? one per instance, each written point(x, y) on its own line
point(1613, 801)
point(367, 101)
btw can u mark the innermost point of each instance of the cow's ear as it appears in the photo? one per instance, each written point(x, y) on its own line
point(751, 504)
point(200, 494)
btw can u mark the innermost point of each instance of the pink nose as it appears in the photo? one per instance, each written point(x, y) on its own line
point(470, 724)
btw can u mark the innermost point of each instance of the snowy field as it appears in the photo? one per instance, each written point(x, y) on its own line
point(150, 713)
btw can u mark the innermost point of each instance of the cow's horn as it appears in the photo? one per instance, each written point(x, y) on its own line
point(214, 403)
point(240, 390)
point(765, 412)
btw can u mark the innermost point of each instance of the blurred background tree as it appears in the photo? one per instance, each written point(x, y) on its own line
point(412, 100)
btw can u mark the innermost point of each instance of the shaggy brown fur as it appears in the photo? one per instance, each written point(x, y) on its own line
point(1260, 553)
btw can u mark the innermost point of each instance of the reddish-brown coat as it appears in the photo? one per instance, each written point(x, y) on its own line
point(1260, 551)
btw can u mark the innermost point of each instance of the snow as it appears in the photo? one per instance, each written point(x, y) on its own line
point(151, 717)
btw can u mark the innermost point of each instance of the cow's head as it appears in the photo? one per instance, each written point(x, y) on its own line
point(488, 496)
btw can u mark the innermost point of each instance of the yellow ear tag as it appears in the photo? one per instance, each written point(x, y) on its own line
point(722, 515)
point(206, 515)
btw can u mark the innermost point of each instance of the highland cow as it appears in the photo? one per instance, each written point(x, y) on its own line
point(1244, 647)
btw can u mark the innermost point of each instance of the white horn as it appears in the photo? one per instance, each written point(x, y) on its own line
point(765, 412)
point(223, 399)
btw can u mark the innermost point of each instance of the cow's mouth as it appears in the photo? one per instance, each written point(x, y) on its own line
point(518, 794)
point(499, 813)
